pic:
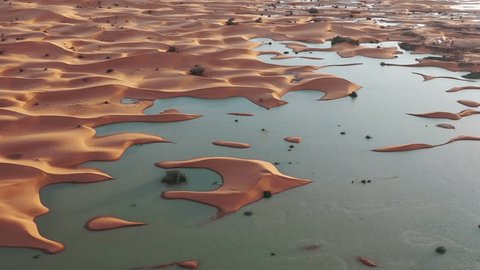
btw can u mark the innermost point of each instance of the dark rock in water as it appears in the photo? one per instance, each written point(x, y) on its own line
point(267, 194)
point(36, 256)
point(441, 250)
point(368, 137)
point(353, 94)
point(363, 181)
point(342, 133)
point(174, 177)
point(247, 213)
point(291, 146)
point(382, 64)
point(272, 254)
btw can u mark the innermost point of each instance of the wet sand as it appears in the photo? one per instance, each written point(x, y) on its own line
point(67, 67)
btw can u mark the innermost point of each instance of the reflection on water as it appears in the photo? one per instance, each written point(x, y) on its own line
point(415, 201)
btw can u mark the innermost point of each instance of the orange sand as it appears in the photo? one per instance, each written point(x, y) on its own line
point(232, 144)
point(366, 261)
point(456, 89)
point(293, 139)
point(109, 223)
point(445, 126)
point(66, 66)
point(430, 77)
point(447, 115)
point(417, 146)
point(244, 181)
point(469, 103)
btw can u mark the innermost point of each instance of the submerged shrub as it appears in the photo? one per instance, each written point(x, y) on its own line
point(197, 70)
point(441, 250)
point(174, 177)
point(340, 39)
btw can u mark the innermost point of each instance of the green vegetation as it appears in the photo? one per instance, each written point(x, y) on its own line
point(197, 70)
point(407, 46)
point(472, 75)
point(174, 177)
point(340, 39)
point(172, 49)
point(231, 21)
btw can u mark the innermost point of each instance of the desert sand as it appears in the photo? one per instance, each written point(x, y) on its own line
point(105, 223)
point(232, 144)
point(67, 66)
point(244, 181)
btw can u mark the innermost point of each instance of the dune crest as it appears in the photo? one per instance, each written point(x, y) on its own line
point(244, 181)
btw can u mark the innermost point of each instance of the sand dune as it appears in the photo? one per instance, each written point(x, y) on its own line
point(66, 67)
point(105, 223)
point(244, 181)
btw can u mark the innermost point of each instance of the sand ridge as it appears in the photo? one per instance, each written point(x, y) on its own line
point(244, 181)
point(417, 146)
point(104, 223)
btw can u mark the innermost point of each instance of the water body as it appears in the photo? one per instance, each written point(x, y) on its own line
point(415, 202)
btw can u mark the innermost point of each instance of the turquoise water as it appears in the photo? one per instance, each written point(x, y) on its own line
point(417, 200)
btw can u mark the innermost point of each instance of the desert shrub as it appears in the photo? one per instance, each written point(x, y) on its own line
point(313, 10)
point(197, 70)
point(231, 21)
point(340, 39)
point(174, 177)
point(472, 75)
point(407, 46)
point(172, 49)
